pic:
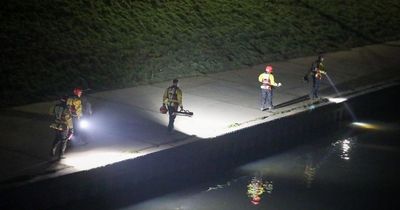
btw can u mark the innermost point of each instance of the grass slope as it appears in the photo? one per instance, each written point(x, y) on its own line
point(49, 46)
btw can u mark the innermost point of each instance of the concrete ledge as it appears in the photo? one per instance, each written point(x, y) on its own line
point(197, 161)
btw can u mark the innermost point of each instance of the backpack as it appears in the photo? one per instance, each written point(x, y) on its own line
point(313, 66)
point(59, 111)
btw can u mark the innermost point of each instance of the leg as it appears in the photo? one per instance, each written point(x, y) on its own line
point(269, 98)
point(312, 93)
point(172, 116)
point(64, 141)
point(56, 142)
point(263, 99)
point(315, 88)
point(62, 148)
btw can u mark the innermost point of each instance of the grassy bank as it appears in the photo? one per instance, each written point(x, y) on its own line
point(50, 46)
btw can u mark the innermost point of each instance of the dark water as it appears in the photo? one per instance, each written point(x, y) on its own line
point(354, 168)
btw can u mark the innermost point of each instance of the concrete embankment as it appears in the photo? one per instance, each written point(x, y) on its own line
point(167, 170)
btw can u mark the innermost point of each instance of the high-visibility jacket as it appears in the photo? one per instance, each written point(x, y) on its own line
point(75, 105)
point(173, 96)
point(267, 81)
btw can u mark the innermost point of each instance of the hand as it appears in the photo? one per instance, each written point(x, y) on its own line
point(181, 108)
point(279, 84)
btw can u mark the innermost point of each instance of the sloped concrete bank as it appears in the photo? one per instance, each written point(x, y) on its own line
point(157, 173)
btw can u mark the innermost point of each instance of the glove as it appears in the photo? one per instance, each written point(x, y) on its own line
point(279, 84)
point(181, 108)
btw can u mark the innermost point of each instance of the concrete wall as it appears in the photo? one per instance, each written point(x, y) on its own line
point(141, 178)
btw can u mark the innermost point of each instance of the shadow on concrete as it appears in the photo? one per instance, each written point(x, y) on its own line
point(26, 115)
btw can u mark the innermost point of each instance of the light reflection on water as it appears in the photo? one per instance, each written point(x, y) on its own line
point(318, 176)
point(257, 187)
point(344, 147)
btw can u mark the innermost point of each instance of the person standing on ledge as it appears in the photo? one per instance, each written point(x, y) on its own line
point(316, 71)
point(62, 125)
point(79, 106)
point(267, 85)
point(172, 98)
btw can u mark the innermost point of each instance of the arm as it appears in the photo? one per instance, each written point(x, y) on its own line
point(179, 96)
point(272, 81)
point(165, 97)
point(261, 77)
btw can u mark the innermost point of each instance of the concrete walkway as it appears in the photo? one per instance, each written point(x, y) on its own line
point(126, 122)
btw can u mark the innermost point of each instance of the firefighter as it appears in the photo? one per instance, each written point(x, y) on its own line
point(62, 125)
point(79, 107)
point(172, 99)
point(267, 85)
point(316, 71)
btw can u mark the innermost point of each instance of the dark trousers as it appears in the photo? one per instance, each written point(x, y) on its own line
point(266, 98)
point(315, 88)
point(60, 142)
point(172, 116)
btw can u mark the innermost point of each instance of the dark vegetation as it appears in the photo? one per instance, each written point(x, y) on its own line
point(50, 46)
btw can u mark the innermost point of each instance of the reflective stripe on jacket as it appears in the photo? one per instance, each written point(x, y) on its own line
point(172, 96)
point(267, 80)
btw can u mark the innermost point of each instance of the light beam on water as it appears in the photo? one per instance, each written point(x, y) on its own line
point(353, 116)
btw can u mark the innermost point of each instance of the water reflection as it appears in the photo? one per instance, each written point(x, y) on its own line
point(309, 174)
point(344, 147)
point(257, 187)
point(330, 173)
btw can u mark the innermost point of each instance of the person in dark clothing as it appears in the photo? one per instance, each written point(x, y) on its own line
point(316, 72)
point(62, 126)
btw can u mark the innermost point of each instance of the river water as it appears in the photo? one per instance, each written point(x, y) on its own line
point(354, 168)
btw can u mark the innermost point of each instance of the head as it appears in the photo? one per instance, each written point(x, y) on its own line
point(78, 92)
point(175, 82)
point(268, 69)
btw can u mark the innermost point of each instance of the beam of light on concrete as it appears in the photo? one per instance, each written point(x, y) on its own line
point(93, 159)
point(199, 127)
point(337, 100)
